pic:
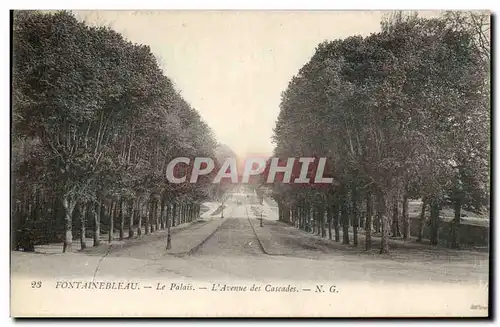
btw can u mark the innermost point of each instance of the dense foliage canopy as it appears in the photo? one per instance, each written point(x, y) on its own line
point(403, 113)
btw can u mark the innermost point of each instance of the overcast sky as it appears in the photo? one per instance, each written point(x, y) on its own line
point(233, 66)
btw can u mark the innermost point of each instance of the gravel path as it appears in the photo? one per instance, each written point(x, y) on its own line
point(230, 250)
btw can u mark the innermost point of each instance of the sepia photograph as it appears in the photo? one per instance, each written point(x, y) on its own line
point(250, 163)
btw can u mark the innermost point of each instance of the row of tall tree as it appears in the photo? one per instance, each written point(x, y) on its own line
point(401, 114)
point(95, 122)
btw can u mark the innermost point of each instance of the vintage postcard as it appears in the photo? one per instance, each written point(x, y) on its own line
point(250, 163)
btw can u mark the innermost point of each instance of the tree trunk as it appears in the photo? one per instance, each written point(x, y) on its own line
point(305, 218)
point(170, 218)
point(336, 221)
point(361, 218)
point(384, 222)
point(115, 214)
point(355, 215)
point(355, 234)
point(422, 221)
point(98, 211)
point(147, 222)
point(378, 219)
point(314, 219)
point(157, 217)
point(111, 222)
point(309, 221)
point(122, 219)
point(299, 217)
point(178, 214)
point(318, 220)
point(68, 213)
point(395, 218)
point(280, 211)
point(344, 217)
point(178, 217)
point(172, 213)
point(131, 220)
point(151, 216)
point(455, 224)
point(434, 221)
point(83, 220)
point(322, 217)
point(329, 212)
point(137, 211)
point(406, 218)
point(139, 221)
point(368, 223)
point(162, 215)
